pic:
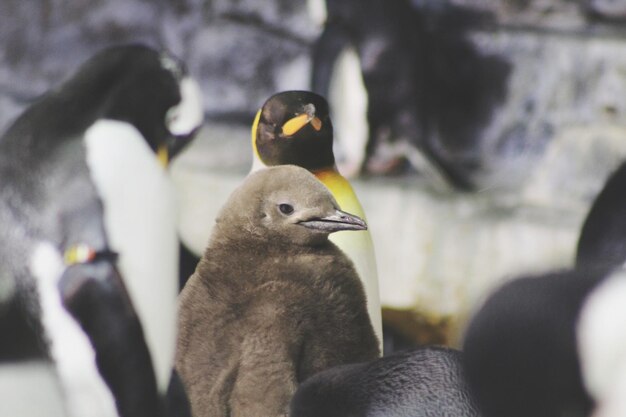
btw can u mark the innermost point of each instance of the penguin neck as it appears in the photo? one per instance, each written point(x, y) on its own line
point(341, 189)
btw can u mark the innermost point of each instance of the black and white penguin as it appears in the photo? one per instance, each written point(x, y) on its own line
point(407, 71)
point(294, 127)
point(88, 225)
point(425, 382)
point(602, 345)
point(550, 345)
point(375, 41)
point(602, 239)
point(31, 389)
point(272, 301)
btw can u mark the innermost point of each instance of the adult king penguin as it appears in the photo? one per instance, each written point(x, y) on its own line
point(89, 253)
point(272, 301)
point(294, 127)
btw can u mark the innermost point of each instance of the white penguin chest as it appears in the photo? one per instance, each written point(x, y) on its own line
point(86, 394)
point(140, 221)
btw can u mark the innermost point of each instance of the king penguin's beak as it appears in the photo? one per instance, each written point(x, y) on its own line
point(293, 125)
point(338, 221)
point(163, 155)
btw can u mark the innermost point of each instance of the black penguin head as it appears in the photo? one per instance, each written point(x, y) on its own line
point(147, 88)
point(294, 127)
point(284, 205)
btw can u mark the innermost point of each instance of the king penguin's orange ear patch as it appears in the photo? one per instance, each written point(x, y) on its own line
point(316, 123)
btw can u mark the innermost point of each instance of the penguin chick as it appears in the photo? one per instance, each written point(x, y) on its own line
point(521, 347)
point(425, 382)
point(272, 301)
point(294, 127)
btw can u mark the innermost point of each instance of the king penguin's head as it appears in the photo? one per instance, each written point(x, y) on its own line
point(147, 88)
point(294, 127)
point(284, 205)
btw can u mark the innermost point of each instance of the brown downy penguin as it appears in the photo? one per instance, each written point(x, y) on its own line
point(272, 301)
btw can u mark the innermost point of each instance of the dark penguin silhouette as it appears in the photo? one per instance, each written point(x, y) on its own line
point(522, 346)
point(426, 382)
point(272, 301)
point(602, 345)
point(426, 83)
point(602, 239)
point(88, 260)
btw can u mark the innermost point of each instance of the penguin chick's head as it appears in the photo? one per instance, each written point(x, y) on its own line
point(294, 127)
point(147, 88)
point(283, 205)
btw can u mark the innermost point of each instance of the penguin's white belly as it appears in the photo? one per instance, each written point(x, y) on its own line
point(86, 393)
point(30, 389)
point(348, 101)
point(140, 220)
point(602, 345)
point(358, 247)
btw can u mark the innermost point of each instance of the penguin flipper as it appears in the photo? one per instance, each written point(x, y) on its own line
point(326, 50)
point(95, 296)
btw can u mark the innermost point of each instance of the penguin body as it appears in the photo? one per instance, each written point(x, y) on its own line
point(430, 91)
point(384, 38)
point(294, 127)
point(602, 345)
point(522, 350)
point(89, 217)
point(31, 389)
point(602, 238)
point(272, 301)
point(427, 382)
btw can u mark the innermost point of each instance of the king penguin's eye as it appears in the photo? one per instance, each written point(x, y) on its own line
point(285, 208)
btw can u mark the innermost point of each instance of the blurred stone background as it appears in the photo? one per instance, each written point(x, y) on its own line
point(515, 117)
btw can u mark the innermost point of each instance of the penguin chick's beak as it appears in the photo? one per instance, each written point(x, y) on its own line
point(338, 221)
point(293, 125)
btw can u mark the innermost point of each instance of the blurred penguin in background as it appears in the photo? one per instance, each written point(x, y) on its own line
point(602, 340)
point(554, 344)
point(426, 90)
point(602, 239)
point(272, 301)
point(425, 382)
point(551, 345)
point(88, 224)
point(31, 388)
point(294, 127)
point(602, 345)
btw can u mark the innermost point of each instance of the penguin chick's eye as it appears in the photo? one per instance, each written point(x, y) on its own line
point(285, 208)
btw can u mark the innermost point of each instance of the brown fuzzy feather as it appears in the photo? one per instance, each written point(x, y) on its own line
point(263, 312)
